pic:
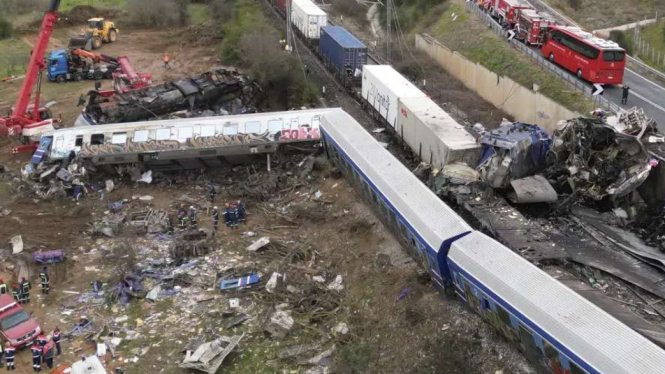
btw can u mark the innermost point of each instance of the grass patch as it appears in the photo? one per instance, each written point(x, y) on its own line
point(14, 56)
point(104, 4)
point(248, 14)
point(198, 13)
point(480, 45)
point(654, 35)
point(600, 14)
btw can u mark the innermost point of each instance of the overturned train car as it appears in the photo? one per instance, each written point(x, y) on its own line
point(184, 143)
point(219, 90)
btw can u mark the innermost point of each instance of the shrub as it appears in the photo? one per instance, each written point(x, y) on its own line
point(24, 6)
point(575, 4)
point(620, 38)
point(5, 29)
point(158, 13)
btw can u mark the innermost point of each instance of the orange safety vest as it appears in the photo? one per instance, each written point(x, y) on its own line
point(166, 58)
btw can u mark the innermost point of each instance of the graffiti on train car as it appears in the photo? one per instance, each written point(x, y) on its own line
point(548, 358)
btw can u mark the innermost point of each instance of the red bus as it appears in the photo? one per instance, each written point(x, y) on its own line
point(592, 59)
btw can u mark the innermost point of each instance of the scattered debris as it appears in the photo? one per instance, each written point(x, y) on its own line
point(258, 244)
point(17, 244)
point(231, 284)
point(208, 357)
point(49, 257)
point(336, 285)
point(279, 324)
point(275, 282)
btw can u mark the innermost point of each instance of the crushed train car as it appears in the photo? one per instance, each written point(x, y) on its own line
point(222, 91)
point(189, 142)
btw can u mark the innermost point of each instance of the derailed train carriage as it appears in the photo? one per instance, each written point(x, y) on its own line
point(557, 329)
point(189, 143)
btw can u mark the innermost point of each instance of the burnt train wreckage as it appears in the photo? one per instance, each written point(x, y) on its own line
point(221, 91)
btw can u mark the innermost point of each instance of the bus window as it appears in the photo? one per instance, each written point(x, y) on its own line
point(163, 134)
point(614, 56)
point(119, 138)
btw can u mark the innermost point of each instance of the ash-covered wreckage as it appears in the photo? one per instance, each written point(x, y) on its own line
point(217, 92)
point(591, 194)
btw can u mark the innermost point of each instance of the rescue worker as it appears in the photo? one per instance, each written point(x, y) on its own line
point(234, 216)
point(3, 288)
point(2, 354)
point(169, 223)
point(56, 340)
point(44, 278)
point(624, 95)
point(36, 357)
point(16, 292)
point(182, 217)
point(41, 340)
point(215, 218)
point(10, 352)
point(47, 353)
point(241, 211)
point(212, 192)
point(166, 61)
point(227, 215)
point(192, 216)
point(25, 290)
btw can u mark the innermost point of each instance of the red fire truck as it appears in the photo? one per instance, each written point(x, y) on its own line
point(506, 11)
point(532, 26)
point(590, 58)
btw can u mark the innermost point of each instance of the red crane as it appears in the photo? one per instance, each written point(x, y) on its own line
point(25, 119)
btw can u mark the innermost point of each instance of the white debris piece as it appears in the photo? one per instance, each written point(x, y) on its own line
point(17, 244)
point(154, 293)
point(208, 357)
point(88, 365)
point(146, 177)
point(319, 279)
point(318, 194)
point(146, 198)
point(276, 281)
point(279, 324)
point(101, 349)
point(234, 303)
point(259, 244)
point(336, 285)
point(109, 185)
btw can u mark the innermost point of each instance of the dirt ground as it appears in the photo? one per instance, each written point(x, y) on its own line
point(397, 322)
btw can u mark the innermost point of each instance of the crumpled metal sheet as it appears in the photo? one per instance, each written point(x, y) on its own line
point(208, 357)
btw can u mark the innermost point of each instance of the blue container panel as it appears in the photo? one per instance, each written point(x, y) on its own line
point(340, 49)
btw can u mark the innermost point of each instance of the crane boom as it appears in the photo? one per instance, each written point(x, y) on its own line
point(36, 60)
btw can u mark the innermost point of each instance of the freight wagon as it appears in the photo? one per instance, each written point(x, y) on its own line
point(281, 6)
point(308, 18)
point(434, 135)
point(382, 87)
point(343, 53)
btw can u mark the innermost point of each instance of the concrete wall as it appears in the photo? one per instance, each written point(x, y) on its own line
point(520, 102)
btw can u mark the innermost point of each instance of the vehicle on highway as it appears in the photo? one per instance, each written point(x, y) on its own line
point(16, 325)
point(591, 58)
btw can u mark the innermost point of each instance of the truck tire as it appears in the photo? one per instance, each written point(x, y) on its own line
point(61, 79)
point(78, 77)
point(108, 74)
point(98, 75)
point(579, 74)
point(551, 57)
point(96, 42)
point(113, 36)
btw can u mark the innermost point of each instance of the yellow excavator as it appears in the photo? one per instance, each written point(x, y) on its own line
point(99, 31)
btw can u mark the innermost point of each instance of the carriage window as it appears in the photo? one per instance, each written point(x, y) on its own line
point(140, 136)
point(163, 134)
point(59, 142)
point(574, 369)
point(185, 133)
point(503, 314)
point(97, 139)
point(316, 122)
point(230, 129)
point(253, 127)
point(551, 353)
point(208, 130)
point(275, 125)
point(79, 141)
point(295, 123)
point(119, 138)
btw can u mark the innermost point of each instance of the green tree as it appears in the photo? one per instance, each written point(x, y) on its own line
point(6, 29)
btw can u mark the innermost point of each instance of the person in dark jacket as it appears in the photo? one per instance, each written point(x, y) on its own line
point(624, 96)
point(25, 290)
point(56, 340)
point(10, 352)
point(36, 357)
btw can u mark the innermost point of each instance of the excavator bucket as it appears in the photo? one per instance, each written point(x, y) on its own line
point(80, 42)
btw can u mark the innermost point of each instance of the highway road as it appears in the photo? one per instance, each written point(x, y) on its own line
point(644, 92)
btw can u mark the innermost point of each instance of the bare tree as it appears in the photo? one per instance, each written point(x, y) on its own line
point(158, 13)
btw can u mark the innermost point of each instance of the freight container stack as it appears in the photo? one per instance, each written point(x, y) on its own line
point(343, 53)
point(308, 18)
point(434, 135)
point(382, 87)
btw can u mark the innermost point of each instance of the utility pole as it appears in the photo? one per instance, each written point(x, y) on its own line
point(389, 6)
point(289, 28)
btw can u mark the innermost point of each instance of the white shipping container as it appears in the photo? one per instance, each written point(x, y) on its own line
point(308, 18)
point(434, 135)
point(383, 86)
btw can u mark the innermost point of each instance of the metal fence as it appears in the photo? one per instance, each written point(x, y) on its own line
point(575, 83)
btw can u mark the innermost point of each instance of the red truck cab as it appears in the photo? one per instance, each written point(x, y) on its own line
point(16, 326)
point(507, 11)
point(532, 26)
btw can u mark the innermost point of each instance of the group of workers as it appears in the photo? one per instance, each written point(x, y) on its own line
point(42, 349)
point(21, 291)
point(233, 215)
